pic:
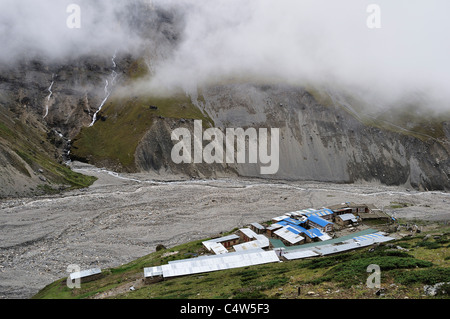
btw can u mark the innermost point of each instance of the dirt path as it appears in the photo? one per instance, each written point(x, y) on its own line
point(121, 218)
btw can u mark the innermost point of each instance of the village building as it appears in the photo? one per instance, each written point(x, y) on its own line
point(324, 213)
point(204, 264)
point(246, 234)
point(346, 219)
point(252, 245)
point(218, 248)
point(86, 275)
point(359, 208)
point(372, 213)
point(257, 228)
point(279, 218)
point(272, 228)
point(226, 241)
point(338, 209)
point(289, 236)
point(315, 221)
point(260, 242)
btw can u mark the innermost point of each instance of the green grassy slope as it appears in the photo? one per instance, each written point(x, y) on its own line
point(29, 141)
point(403, 274)
point(115, 140)
point(126, 120)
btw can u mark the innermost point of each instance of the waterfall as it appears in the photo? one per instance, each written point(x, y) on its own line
point(49, 96)
point(113, 77)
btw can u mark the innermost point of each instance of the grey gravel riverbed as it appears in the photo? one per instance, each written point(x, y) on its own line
point(123, 217)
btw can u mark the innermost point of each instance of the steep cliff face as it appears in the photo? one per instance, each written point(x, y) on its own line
point(153, 153)
point(317, 142)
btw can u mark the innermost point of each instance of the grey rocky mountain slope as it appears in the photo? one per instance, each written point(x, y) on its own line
point(317, 142)
point(45, 103)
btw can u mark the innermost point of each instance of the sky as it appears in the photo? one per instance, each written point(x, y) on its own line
point(321, 42)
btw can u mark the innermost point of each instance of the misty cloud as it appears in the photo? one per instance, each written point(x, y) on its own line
point(314, 42)
point(318, 42)
point(31, 29)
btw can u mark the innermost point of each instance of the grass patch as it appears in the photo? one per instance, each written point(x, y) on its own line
point(424, 276)
point(352, 272)
point(115, 140)
point(5, 131)
point(346, 272)
point(56, 172)
point(396, 205)
point(32, 146)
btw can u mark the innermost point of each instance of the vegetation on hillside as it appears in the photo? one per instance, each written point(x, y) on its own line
point(30, 144)
point(123, 122)
point(408, 119)
point(403, 274)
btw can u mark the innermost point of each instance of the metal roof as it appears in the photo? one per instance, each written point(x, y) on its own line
point(218, 248)
point(318, 212)
point(209, 243)
point(292, 221)
point(325, 237)
point(300, 254)
point(289, 234)
point(207, 257)
point(218, 262)
point(311, 233)
point(348, 216)
point(152, 271)
point(378, 237)
point(319, 221)
point(305, 211)
point(248, 232)
point(327, 250)
point(258, 226)
point(274, 226)
point(330, 241)
point(357, 242)
point(261, 242)
point(279, 218)
point(337, 246)
point(85, 273)
point(316, 232)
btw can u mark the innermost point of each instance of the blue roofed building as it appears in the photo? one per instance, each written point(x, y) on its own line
point(292, 221)
point(324, 213)
point(315, 221)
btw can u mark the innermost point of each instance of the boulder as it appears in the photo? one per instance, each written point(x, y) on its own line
point(440, 288)
point(160, 247)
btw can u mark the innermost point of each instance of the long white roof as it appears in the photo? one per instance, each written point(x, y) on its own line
point(152, 271)
point(300, 254)
point(218, 262)
point(85, 273)
point(354, 243)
